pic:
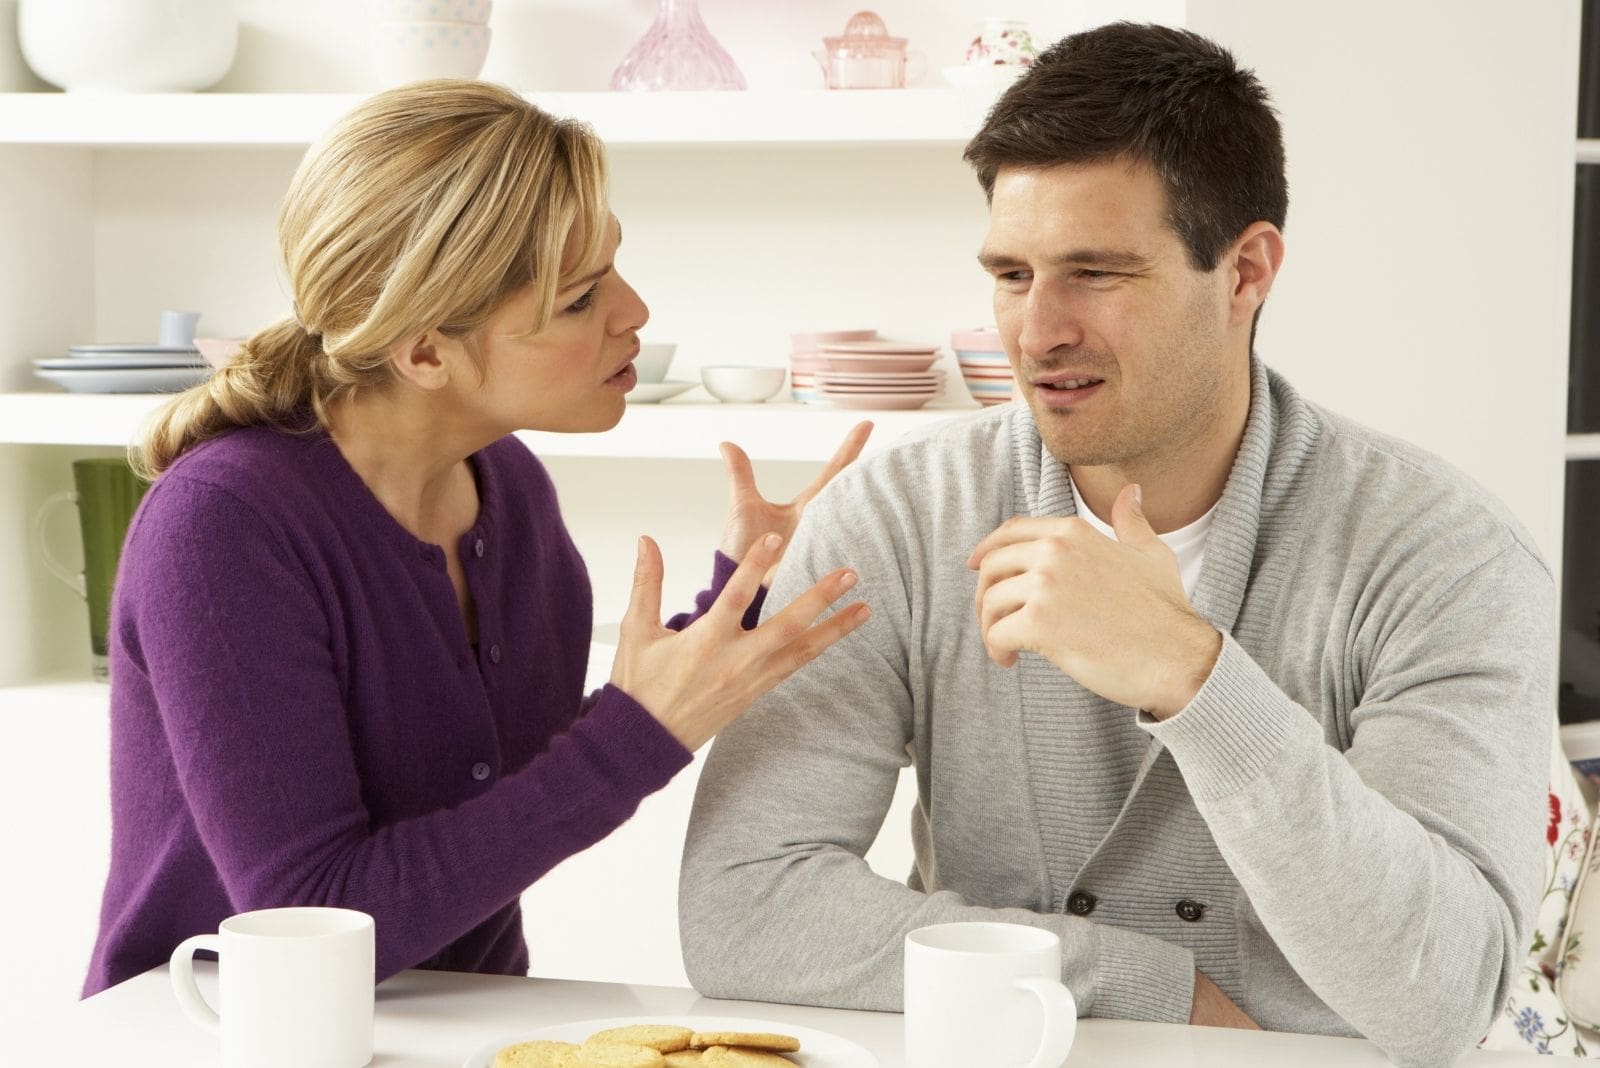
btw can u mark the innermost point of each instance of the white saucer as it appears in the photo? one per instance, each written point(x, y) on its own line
point(127, 379)
point(119, 361)
point(101, 350)
point(652, 392)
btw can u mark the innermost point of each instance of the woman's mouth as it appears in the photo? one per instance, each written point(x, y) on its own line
point(624, 380)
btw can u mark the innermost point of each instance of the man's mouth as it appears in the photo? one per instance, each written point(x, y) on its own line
point(1072, 383)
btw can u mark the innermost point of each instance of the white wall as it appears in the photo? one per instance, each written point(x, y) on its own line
point(1425, 290)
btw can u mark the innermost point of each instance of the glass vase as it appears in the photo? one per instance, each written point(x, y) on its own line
point(677, 52)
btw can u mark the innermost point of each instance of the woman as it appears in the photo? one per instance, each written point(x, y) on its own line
point(350, 629)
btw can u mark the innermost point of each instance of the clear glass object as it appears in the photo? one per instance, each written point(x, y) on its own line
point(677, 52)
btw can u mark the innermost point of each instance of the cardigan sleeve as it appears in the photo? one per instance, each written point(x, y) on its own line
point(722, 569)
point(236, 643)
point(776, 899)
point(1420, 843)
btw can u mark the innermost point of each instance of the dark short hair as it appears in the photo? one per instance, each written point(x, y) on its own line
point(1156, 95)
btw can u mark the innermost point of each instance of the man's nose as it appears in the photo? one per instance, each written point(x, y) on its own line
point(1049, 322)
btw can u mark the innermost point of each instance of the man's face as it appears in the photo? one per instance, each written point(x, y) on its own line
point(1121, 348)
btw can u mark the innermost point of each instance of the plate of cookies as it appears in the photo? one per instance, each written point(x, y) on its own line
point(673, 1042)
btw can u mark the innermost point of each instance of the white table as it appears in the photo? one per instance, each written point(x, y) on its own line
point(436, 1019)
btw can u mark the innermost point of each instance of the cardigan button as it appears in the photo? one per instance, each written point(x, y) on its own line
point(480, 771)
point(1081, 902)
point(477, 548)
point(1189, 911)
point(494, 654)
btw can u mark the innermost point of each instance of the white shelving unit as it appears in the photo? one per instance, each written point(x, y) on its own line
point(75, 185)
point(1583, 446)
point(215, 120)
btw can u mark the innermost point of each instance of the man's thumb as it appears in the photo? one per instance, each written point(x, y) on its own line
point(1127, 518)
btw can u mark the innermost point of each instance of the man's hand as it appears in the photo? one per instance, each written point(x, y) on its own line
point(1213, 1008)
point(1112, 614)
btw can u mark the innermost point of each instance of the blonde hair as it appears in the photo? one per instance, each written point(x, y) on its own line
point(426, 207)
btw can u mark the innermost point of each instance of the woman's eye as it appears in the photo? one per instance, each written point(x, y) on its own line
point(584, 301)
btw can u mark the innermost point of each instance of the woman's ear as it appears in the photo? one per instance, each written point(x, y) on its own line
point(418, 360)
point(1255, 259)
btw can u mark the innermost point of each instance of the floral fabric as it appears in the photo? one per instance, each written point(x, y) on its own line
point(1540, 1016)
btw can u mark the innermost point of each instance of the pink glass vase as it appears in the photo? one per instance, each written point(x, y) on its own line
point(677, 52)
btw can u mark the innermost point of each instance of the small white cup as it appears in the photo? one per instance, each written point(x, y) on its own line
point(177, 329)
point(986, 994)
point(295, 987)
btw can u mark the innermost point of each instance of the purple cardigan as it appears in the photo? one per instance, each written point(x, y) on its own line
point(298, 718)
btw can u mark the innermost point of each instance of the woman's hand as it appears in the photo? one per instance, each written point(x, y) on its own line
point(698, 680)
point(751, 515)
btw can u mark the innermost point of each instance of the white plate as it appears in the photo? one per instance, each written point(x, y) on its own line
point(127, 379)
point(651, 392)
point(818, 1049)
point(886, 348)
point(112, 363)
point(101, 350)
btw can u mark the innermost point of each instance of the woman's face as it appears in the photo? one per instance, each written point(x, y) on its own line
point(572, 375)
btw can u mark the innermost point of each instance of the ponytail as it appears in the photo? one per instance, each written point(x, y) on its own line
point(272, 379)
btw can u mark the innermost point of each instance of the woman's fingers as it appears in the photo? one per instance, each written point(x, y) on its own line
point(644, 603)
point(813, 642)
point(746, 581)
point(843, 457)
point(792, 624)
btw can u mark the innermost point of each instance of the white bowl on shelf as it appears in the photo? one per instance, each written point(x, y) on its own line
point(434, 10)
point(129, 46)
point(742, 385)
point(413, 51)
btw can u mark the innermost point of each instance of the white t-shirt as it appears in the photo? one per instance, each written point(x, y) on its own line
point(1187, 543)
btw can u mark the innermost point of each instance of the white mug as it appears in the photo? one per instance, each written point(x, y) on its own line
point(295, 987)
point(986, 994)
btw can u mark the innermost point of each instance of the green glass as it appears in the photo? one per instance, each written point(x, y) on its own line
point(107, 494)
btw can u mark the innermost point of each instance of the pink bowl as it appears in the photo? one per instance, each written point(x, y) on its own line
point(983, 339)
point(217, 351)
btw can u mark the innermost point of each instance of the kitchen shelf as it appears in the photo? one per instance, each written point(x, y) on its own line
point(211, 120)
point(56, 696)
point(1589, 150)
point(672, 430)
point(1583, 446)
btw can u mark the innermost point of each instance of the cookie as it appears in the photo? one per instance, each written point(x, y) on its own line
point(750, 1039)
point(663, 1037)
point(615, 1055)
point(537, 1055)
point(686, 1058)
point(743, 1057)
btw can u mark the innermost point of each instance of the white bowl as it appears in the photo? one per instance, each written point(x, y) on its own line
point(411, 51)
point(653, 360)
point(742, 385)
point(129, 46)
point(434, 10)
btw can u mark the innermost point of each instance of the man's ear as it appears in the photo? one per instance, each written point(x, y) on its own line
point(418, 361)
point(1255, 258)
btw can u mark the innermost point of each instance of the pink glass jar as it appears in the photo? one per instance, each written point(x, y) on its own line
point(866, 57)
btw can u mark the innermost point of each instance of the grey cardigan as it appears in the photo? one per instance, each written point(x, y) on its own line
point(1354, 800)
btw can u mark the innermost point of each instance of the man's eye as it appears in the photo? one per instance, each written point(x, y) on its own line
point(1013, 276)
point(584, 301)
point(1095, 276)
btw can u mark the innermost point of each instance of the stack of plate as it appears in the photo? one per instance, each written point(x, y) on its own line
point(984, 364)
point(877, 374)
point(805, 359)
point(125, 369)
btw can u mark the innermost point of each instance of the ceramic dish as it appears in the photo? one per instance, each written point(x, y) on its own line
point(811, 342)
point(129, 349)
point(113, 363)
point(818, 1049)
point(127, 379)
point(895, 401)
point(898, 348)
point(653, 392)
point(982, 339)
point(846, 361)
point(907, 379)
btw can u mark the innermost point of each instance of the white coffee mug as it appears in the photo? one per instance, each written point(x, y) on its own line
point(986, 994)
point(294, 987)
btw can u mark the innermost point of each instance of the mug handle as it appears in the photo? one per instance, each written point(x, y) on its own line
point(1060, 1020)
point(61, 571)
point(183, 983)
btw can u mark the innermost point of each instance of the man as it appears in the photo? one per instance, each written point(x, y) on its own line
point(1248, 703)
